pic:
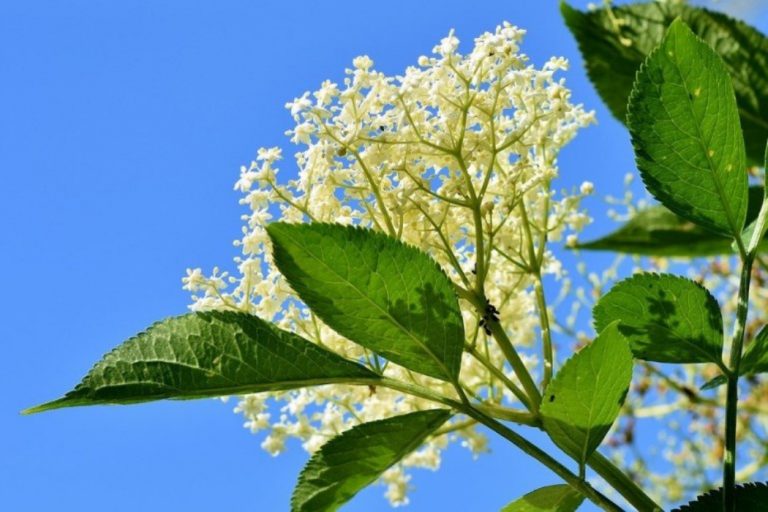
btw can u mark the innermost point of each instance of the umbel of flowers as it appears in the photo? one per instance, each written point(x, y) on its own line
point(456, 156)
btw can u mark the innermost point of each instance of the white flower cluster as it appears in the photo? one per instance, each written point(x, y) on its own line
point(456, 157)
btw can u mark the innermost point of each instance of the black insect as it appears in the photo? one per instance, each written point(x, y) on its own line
point(491, 314)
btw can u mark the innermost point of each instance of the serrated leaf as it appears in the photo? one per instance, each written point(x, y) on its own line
point(583, 400)
point(668, 319)
point(553, 498)
point(377, 291)
point(755, 358)
point(656, 231)
point(356, 458)
point(749, 498)
point(614, 42)
point(208, 355)
point(685, 129)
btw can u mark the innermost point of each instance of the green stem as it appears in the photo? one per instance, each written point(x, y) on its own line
point(507, 414)
point(732, 397)
point(544, 458)
point(602, 466)
point(546, 332)
point(498, 333)
point(519, 393)
point(622, 483)
point(517, 364)
point(541, 304)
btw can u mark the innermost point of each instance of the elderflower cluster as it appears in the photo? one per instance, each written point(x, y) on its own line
point(455, 156)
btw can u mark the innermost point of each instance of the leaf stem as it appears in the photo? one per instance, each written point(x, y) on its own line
point(621, 483)
point(544, 458)
point(602, 466)
point(541, 303)
point(732, 394)
point(517, 364)
point(498, 333)
point(546, 331)
point(498, 373)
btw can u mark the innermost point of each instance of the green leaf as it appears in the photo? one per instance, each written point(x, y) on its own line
point(376, 291)
point(356, 458)
point(685, 129)
point(715, 382)
point(615, 41)
point(755, 358)
point(208, 355)
point(554, 498)
point(583, 400)
point(656, 231)
point(666, 318)
point(749, 498)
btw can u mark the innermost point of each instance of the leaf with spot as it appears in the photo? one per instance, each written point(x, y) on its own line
point(351, 461)
point(614, 41)
point(584, 399)
point(377, 291)
point(553, 498)
point(684, 124)
point(668, 319)
point(211, 354)
point(656, 231)
point(749, 498)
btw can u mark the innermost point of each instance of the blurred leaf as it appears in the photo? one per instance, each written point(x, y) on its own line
point(615, 41)
point(211, 354)
point(656, 231)
point(715, 383)
point(685, 129)
point(755, 358)
point(666, 318)
point(749, 498)
point(583, 400)
point(377, 291)
point(554, 498)
point(356, 458)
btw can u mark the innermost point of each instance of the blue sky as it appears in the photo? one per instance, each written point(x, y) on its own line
point(122, 129)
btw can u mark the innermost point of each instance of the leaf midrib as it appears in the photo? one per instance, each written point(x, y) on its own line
point(699, 139)
point(393, 320)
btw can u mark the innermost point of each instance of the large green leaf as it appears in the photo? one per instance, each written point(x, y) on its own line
point(583, 400)
point(207, 355)
point(554, 498)
point(615, 41)
point(656, 231)
point(749, 498)
point(666, 318)
point(685, 129)
point(356, 458)
point(376, 291)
